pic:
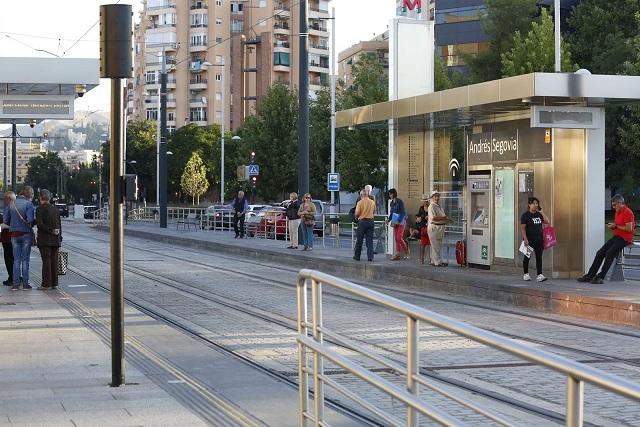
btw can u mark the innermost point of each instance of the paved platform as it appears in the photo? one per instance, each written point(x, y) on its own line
point(55, 368)
point(614, 302)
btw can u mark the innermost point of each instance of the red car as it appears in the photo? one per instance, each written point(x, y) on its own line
point(267, 222)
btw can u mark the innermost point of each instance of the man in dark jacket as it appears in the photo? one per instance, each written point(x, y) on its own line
point(240, 206)
point(49, 238)
point(5, 237)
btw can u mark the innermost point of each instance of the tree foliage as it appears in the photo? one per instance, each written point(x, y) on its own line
point(273, 134)
point(500, 21)
point(362, 153)
point(43, 171)
point(194, 178)
point(320, 143)
point(141, 148)
point(535, 52)
point(82, 184)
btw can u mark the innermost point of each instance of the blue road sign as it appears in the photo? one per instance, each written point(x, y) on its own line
point(333, 182)
point(254, 170)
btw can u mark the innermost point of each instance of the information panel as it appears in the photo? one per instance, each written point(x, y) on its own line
point(36, 107)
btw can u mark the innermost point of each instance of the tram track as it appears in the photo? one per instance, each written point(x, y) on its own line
point(289, 323)
point(635, 362)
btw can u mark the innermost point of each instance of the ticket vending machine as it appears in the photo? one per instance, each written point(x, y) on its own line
point(479, 221)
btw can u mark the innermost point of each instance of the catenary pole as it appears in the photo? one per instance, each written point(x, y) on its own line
point(303, 104)
point(162, 171)
point(333, 103)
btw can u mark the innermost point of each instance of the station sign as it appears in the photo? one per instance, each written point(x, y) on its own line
point(565, 117)
point(333, 182)
point(36, 107)
point(509, 146)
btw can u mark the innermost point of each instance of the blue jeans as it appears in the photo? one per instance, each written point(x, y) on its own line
point(307, 235)
point(21, 253)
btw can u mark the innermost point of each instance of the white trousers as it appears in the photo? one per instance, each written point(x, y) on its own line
point(294, 224)
point(436, 235)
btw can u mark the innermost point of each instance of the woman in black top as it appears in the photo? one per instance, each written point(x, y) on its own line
point(531, 227)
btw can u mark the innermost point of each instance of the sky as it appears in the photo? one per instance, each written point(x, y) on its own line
point(69, 28)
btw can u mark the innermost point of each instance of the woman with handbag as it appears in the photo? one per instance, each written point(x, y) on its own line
point(19, 218)
point(49, 239)
point(398, 220)
point(531, 223)
point(307, 213)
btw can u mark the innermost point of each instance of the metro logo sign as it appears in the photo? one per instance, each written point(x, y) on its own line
point(411, 4)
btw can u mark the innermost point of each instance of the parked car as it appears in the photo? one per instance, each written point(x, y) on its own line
point(318, 227)
point(254, 209)
point(219, 216)
point(267, 222)
point(63, 209)
point(89, 210)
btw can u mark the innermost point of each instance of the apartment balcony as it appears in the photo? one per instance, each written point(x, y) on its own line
point(318, 67)
point(198, 84)
point(158, 46)
point(199, 5)
point(315, 12)
point(282, 10)
point(201, 25)
point(160, 9)
point(155, 26)
point(319, 47)
point(281, 46)
point(198, 101)
point(198, 47)
point(318, 30)
point(281, 27)
point(282, 68)
point(202, 121)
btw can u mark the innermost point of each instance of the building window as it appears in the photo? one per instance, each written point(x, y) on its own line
point(237, 7)
point(218, 2)
point(218, 59)
point(199, 20)
point(218, 77)
point(198, 39)
point(198, 114)
point(150, 77)
point(459, 14)
point(218, 21)
point(171, 129)
point(281, 58)
point(237, 26)
point(152, 114)
point(218, 40)
point(171, 116)
point(218, 96)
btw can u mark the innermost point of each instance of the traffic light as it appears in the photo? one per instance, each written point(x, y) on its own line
point(130, 187)
point(253, 157)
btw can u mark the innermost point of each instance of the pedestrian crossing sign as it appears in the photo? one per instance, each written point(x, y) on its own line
point(254, 170)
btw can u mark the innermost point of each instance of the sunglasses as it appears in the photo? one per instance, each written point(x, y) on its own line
point(307, 197)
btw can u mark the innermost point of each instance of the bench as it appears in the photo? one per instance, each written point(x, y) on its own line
point(191, 219)
point(625, 259)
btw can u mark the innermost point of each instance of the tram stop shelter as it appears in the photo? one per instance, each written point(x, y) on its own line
point(36, 89)
point(488, 147)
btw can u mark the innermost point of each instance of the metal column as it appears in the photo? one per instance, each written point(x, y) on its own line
point(14, 158)
point(162, 172)
point(303, 103)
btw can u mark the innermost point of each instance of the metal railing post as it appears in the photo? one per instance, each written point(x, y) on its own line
point(318, 366)
point(412, 368)
point(575, 402)
point(303, 372)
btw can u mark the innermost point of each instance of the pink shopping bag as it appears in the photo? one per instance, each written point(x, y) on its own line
point(549, 239)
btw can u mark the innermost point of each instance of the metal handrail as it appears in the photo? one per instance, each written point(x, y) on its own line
point(311, 337)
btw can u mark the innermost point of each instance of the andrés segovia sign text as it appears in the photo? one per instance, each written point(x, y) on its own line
point(517, 145)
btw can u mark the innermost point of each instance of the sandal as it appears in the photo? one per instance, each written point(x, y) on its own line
point(395, 258)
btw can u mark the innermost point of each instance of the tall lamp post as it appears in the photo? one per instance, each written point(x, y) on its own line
point(303, 103)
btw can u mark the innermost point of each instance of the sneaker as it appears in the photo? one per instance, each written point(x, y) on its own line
point(310, 248)
point(585, 279)
point(26, 287)
point(597, 281)
point(540, 278)
point(526, 277)
point(7, 282)
point(15, 288)
point(305, 248)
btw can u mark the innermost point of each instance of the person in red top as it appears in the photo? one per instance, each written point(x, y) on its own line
point(622, 228)
point(9, 197)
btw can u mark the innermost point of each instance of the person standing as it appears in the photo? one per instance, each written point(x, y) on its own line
point(307, 214)
point(622, 227)
point(422, 218)
point(19, 217)
point(49, 239)
point(294, 220)
point(397, 207)
point(240, 207)
point(531, 228)
point(437, 219)
point(5, 237)
point(364, 215)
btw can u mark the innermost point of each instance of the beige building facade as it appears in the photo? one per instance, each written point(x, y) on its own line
point(249, 45)
point(25, 151)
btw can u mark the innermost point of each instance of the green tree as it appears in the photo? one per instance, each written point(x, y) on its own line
point(141, 147)
point(273, 134)
point(194, 178)
point(603, 39)
point(320, 143)
point(500, 20)
point(43, 171)
point(204, 140)
point(535, 52)
point(83, 184)
point(362, 153)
